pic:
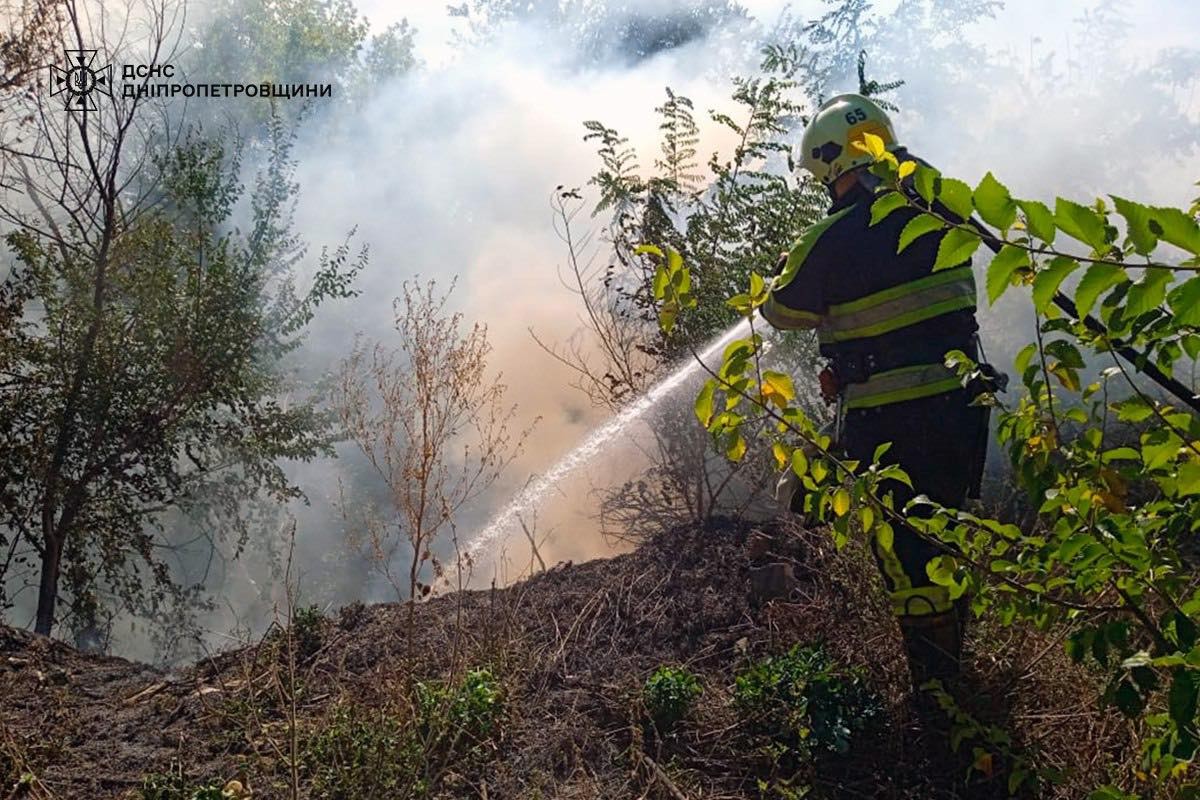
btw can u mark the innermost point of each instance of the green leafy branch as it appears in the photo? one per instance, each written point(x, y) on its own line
point(1105, 556)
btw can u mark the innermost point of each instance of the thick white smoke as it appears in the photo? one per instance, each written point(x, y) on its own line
point(449, 171)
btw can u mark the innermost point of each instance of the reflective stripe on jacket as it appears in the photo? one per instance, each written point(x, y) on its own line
point(885, 311)
point(899, 306)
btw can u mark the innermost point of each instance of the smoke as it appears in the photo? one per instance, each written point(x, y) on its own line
point(448, 172)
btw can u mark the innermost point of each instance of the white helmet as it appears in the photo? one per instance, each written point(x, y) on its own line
point(825, 149)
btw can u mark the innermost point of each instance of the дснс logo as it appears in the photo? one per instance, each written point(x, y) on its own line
point(80, 79)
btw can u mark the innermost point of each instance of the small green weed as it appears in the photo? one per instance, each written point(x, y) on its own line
point(363, 754)
point(804, 701)
point(670, 694)
point(175, 785)
point(469, 709)
point(308, 630)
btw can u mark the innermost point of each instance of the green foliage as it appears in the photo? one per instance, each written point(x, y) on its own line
point(175, 785)
point(151, 372)
point(361, 754)
point(1113, 470)
point(459, 713)
point(298, 42)
point(670, 694)
point(726, 224)
point(804, 701)
point(992, 748)
point(308, 629)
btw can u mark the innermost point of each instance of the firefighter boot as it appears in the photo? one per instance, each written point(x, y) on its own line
point(933, 644)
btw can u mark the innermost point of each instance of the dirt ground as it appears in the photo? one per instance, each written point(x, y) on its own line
point(572, 648)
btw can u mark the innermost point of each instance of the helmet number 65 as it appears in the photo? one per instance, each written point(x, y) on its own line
point(857, 115)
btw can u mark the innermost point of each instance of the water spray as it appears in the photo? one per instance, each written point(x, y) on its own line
point(590, 446)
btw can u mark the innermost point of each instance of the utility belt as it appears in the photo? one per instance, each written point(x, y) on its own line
point(858, 367)
point(881, 377)
point(870, 380)
point(890, 375)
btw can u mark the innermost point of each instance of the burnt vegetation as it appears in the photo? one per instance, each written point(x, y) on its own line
point(651, 674)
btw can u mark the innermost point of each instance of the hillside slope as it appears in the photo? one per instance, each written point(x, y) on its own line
point(569, 650)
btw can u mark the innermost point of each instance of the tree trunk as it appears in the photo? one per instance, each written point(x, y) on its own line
point(48, 588)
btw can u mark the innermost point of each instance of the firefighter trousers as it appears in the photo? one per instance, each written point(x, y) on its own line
point(940, 442)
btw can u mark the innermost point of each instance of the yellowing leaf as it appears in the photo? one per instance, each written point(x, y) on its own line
point(778, 388)
point(907, 168)
point(885, 536)
point(781, 455)
point(871, 144)
point(799, 462)
point(757, 288)
point(704, 403)
point(841, 502)
point(1068, 377)
point(737, 448)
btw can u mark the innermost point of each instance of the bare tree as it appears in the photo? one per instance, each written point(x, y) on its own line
point(622, 353)
point(434, 427)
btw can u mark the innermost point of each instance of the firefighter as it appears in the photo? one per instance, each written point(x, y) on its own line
point(884, 322)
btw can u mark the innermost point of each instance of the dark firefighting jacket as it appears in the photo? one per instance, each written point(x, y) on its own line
point(884, 319)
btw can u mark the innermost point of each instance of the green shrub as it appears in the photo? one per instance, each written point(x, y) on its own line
point(669, 694)
point(804, 701)
point(470, 709)
point(360, 754)
point(307, 630)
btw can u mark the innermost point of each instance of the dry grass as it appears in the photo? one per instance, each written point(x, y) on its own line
point(571, 648)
